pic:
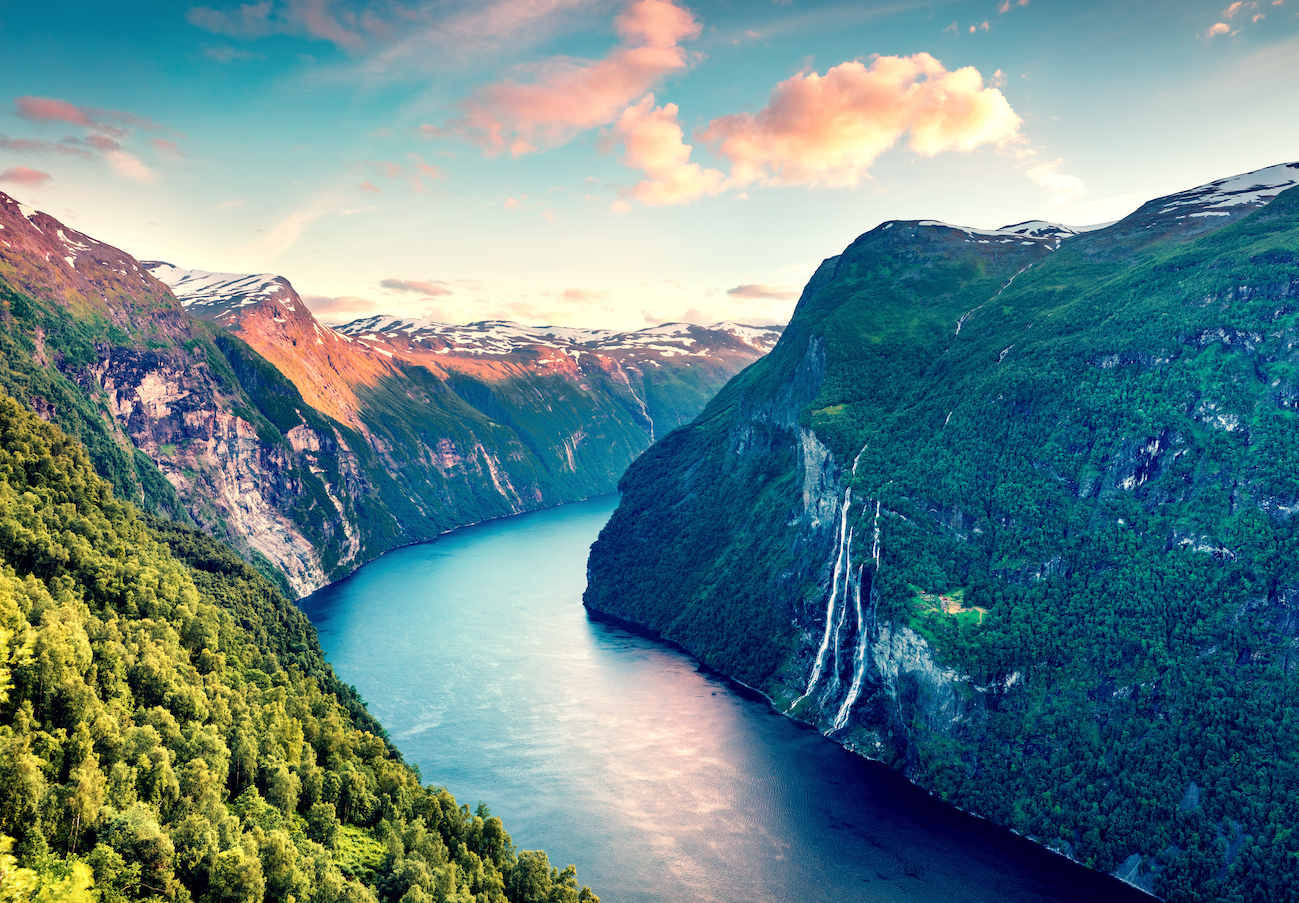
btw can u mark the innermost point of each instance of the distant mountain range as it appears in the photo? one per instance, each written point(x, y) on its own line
point(221, 399)
point(1014, 511)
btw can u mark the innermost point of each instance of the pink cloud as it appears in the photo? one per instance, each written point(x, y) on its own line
point(583, 295)
point(571, 96)
point(1217, 29)
point(414, 172)
point(427, 288)
point(828, 130)
point(48, 109)
point(21, 175)
point(1236, 7)
point(653, 142)
point(102, 143)
point(128, 166)
point(322, 304)
point(162, 145)
point(370, 187)
point(37, 146)
point(759, 290)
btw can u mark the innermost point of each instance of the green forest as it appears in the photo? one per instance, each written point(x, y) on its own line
point(1104, 459)
point(169, 728)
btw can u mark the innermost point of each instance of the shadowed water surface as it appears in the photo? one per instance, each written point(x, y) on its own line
point(612, 752)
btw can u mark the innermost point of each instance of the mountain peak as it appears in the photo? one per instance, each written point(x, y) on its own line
point(1216, 198)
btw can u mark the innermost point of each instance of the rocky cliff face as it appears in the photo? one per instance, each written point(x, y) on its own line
point(310, 449)
point(169, 386)
point(468, 422)
point(1008, 514)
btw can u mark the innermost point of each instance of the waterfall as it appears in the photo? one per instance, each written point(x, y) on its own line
point(834, 594)
point(863, 634)
point(833, 628)
point(846, 553)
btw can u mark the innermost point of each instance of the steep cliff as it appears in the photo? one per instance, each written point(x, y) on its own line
point(97, 345)
point(1011, 510)
point(310, 449)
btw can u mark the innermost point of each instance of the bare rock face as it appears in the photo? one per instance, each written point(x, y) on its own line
point(312, 449)
point(238, 485)
point(95, 315)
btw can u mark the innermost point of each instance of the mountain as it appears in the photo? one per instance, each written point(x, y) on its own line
point(1012, 511)
point(170, 730)
point(310, 450)
point(664, 374)
point(164, 403)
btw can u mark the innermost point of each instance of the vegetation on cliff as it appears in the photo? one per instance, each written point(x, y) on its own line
point(1103, 458)
point(169, 729)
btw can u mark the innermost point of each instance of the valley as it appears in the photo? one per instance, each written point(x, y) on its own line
point(1007, 511)
point(311, 450)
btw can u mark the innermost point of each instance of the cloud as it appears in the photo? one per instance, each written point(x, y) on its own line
point(285, 234)
point(1219, 28)
point(114, 122)
point(1236, 7)
point(584, 296)
point(571, 96)
point(224, 53)
point(522, 203)
point(226, 205)
point(652, 141)
point(46, 109)
point(313, 19)
point(369, 186)
point(21, 175)
point(128, 166)
point(428, 289)
point(758, 290)
point(107, 131)
point(38, 146)
point(102, 143)
point(396, 33)
point(414, 172)
point(828, 130)
point(323, 304)
point(166, 146)
point(1063, 188)
point(1006, 5)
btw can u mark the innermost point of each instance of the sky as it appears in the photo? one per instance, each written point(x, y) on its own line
point(615, 163)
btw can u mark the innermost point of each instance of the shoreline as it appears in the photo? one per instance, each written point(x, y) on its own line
point(753, 693)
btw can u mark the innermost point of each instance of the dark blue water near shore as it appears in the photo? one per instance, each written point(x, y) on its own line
point(613, 752)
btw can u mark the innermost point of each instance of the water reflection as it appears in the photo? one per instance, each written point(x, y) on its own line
point(611, 751)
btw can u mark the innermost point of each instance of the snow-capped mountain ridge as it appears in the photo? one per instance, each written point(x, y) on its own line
point(506, 336)
point(215, 296)
point(1215, 198)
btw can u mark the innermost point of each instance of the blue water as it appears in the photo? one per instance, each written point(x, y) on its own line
point(613, 752)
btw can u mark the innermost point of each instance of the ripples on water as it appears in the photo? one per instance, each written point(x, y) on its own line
point(613, 752)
